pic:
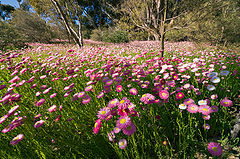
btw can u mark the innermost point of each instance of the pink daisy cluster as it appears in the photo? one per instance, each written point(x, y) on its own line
point(123, 110)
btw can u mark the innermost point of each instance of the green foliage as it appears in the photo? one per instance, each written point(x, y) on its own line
point(31, 27)
point(110, 35)
point(9, 37)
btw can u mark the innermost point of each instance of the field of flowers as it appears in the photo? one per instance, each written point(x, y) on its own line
point(119, 101)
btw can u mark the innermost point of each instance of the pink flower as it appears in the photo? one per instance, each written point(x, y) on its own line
point(123, 122)
point(52, 108)
point(215, 149)
point(53, 95)
point(113, 103)
point(119, 88)
point(100, 95)
point(8, 128)
point(214, 108)
point(133, 91)
point(188, 101)
point(147, 98)
point(38, 124)
point(179, 95)
point(103, 113)
point(205, 109)
point(163, 94)
point(226, 102)
point(130, 129)
point(88, 88)
point(192, 108)
point(122, 143)
point(206, 126)
point(17, 139)
point(42, 77)
point(14, 80)
point(40, 102)
point(97, 126)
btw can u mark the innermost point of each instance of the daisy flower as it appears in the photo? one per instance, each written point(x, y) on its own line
point(212, 74)
point(226, 102)
point(97, 126)
point(147, 98)
point(205, 109)
point(116, 130)
point(215, 80)
point(81, 94)
point(89, 88)
point(119, 88)
point(123, 104)
point(182, 106)
point(211, 87)
point(52, 108)
point(113, 103)
point(163, 94)
point(103, 113)
point(100, 95)
point(122, 143)
point(215, 149)
point(206, 126)
point(164, 143)
point(133, 91)
point(179, 95)
point(38, 124)
point(192, 108)
point(16, 139)
point(188, 101)
point(224, 73)
point(214, 108)
point(130, 129)
point(123, 122)
point(202, 102)
point(214, 96)
point(206, 117)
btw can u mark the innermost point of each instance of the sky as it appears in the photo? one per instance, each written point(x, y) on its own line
point(13, 3)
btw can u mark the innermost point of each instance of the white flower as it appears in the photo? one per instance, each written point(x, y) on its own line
point(212, 74)
point(215, 80)
point(211, 87)
point(182, 106)
point(224, 73)
point(202, 102)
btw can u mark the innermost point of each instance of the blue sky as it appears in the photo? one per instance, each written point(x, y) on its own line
point(13, 3)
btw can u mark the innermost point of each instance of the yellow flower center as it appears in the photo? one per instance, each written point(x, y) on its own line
point(122, 121)
point(122, 143)
point(180, 95)
point(214, 149)
point(163, 94)
point(122, 101)
point(112, 102)
point(103, 112)
point(192, 108)
point(15, 138)
point(144, 95)
point(95, 125)
point(225, 102)
point(205, 109)
point(188, 101)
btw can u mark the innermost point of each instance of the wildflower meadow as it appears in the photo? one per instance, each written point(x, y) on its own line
point(119, 101)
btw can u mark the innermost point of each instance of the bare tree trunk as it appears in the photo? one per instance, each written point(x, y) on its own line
point(156, 37)
point(80, 33)
point(69, 29)
point(163, 27)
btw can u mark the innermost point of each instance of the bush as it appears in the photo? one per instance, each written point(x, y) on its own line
point(9, 37)
point(110, 35)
